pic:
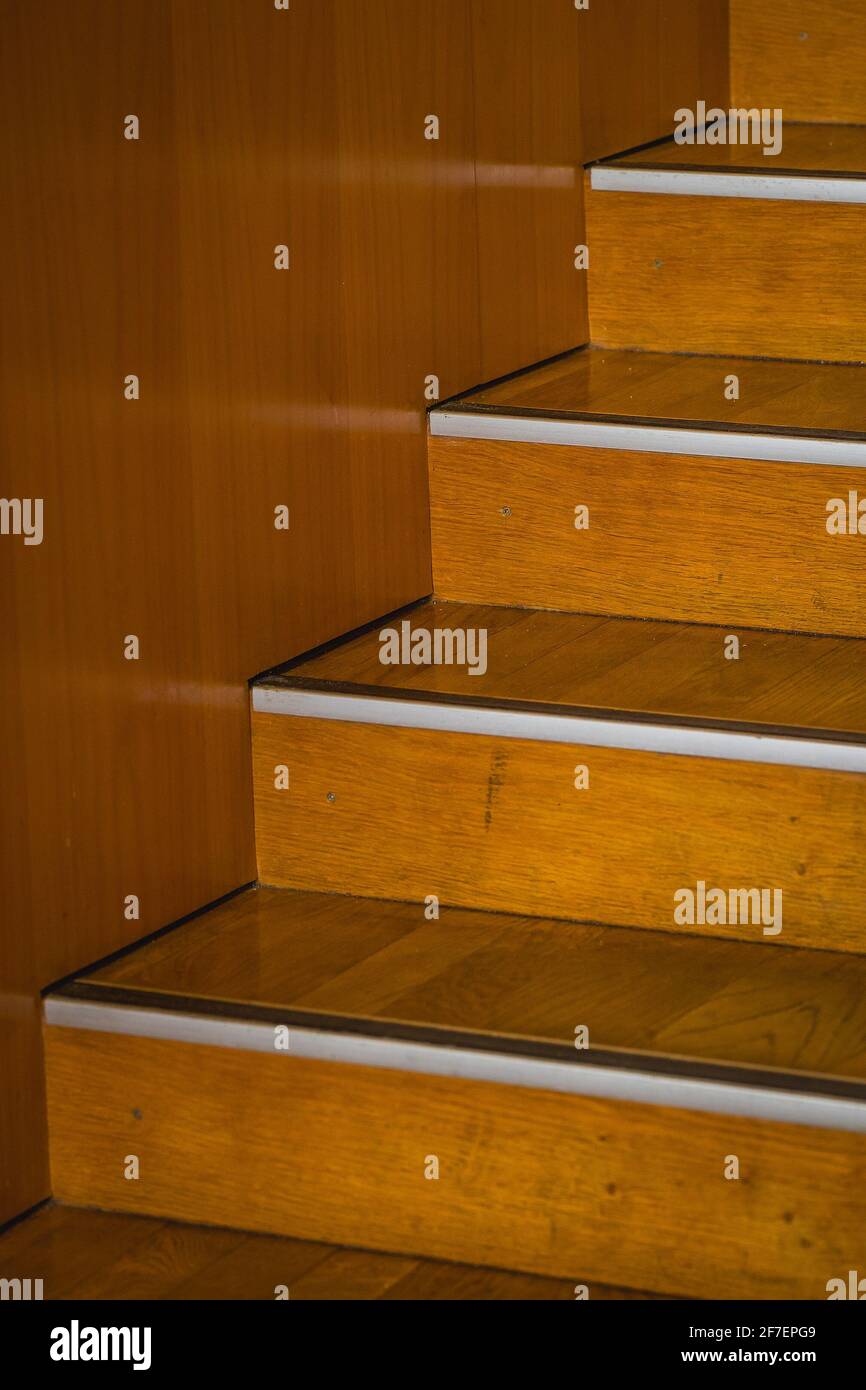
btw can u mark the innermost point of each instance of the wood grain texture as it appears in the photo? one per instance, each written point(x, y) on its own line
point(697, 540)
point(807, 59)
point(818, 397)
point(258, 388)
point(82, 1254)
point(496, 823)
point(789, 280)
point(561, 1186)
point(723, 1001)
point(640, 60)
point(530, 193)
point(159, 512)
point(24, 1178)
point(539, 659)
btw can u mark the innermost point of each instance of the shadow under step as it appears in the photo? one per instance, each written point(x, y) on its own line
point(596, 770)
point(345, 1071)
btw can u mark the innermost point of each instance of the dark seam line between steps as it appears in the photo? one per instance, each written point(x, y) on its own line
point(632, 149)
point(516, 375)
point(146, 940)
point(593, 712)
point(340, 640)
point(20, 1217)
point(514, 412)
point(614, 1059)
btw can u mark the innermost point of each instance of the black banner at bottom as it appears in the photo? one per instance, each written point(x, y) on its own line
point(263, 1338)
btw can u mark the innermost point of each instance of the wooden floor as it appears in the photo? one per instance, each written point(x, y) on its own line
point(669, 388)
point(579, 662)
point(515, 977)
point(820, 149)
point(99, 1255)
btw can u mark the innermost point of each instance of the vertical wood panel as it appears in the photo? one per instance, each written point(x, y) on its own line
point(640, 60)
point(693, 57)
point(258, 388)
point(619, 80)
point(23, 1130)
point(530, 199)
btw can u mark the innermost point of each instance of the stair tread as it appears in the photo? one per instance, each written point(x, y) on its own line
point(825, 149)
point(621, 667)
point(697, 1000)
point(668, 389)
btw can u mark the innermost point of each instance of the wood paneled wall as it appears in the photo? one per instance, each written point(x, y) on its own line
point(640, 60)
point(259, 388)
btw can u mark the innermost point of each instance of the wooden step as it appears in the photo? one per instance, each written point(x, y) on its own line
point(303, 1066)
point(719, 249)
point(698, 508)
point(598, 771)
point(324, 958)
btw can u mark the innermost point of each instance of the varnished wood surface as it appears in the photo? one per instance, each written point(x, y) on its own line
point(783, 681)
point(497, 823)
point(807, 59)
point(657, 387)
point(259, 388)
point(806, 149)
point(24, 1178)
point(642, 59)
point(529, 188)
point(560, 1186)
point(695, 540)
point(518, 977)
point(82, 1254)
point(791, 281)
point(160, 511)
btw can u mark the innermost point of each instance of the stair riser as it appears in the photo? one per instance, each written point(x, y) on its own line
point(580, 1188)
point(727, 275)
point(815, 74)
point(701, 540)
point(497, 823)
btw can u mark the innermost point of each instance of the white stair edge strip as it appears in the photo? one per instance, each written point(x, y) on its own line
point(466, 1064)
point(800, 188)
point(648, 439)
point(578, 730)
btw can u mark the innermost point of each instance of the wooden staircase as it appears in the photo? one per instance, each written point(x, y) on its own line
point(559, 961)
